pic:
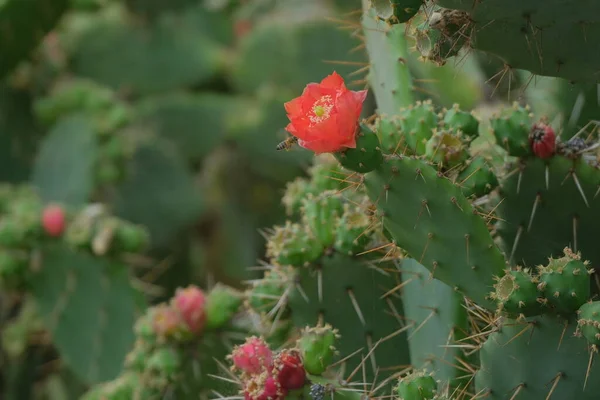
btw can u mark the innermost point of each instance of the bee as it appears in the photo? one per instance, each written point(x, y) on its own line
point(287, 143)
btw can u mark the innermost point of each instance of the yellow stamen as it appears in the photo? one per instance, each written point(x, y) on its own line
point(321, 110)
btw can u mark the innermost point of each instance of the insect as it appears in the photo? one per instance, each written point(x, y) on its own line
point(287, 143)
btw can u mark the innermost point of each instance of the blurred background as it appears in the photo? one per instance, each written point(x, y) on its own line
point(169, 114)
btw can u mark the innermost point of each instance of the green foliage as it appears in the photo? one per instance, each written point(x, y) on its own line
point(24, 25)
point(87, 303)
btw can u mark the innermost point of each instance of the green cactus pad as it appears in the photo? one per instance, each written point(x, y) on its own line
point(565, 283)
point(195, 123)
point(545, 39)
point(396, 11)
point(135, 57)
point(517, 293)
point(388, 131)
point(87, 303)
point(159, 192)
point(389, 75)
point(417, 386)
point(543, 210)
point(350, 293)
point(293, 244)
point(24, 25)
point(478, 178)
point(366, 156)
point(64, 168)
point(440, 320)
point(317, 348)
point(589, 322)
point(430, 218)
point(540, 358)
point(511, 129)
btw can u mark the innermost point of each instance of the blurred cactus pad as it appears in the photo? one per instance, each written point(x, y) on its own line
point(164, 236)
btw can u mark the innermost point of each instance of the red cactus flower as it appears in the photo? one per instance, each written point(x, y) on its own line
point(191, 304)
point(289, 370)
point(325, 117)
point(54, 220)
point(542, 140)
point(252, 357)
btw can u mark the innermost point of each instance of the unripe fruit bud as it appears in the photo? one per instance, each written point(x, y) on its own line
point(191, 304)
point(252, 357)
point(418, 386)
point(222, 303)
point(316, 347)
point(54, 220)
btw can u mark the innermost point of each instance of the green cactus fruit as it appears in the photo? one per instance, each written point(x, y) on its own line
point(353, 230)
point(293, 244)
point(516, 293)
point(166, 362)
point(462, 121)
point(446, 148)
point(130, 238)
point(389, 134)
point(416, 124)
point(295, 192)
point(14, 267)
point(366, 156)
point(317, 348)
point(396, 11)
point(326, 174)
point(321, 213)
point(565, 282)
point(266, 292)
point(511, 129)
point(222, 304)
point(478, 178)
point(419, 385)
point(589, 321)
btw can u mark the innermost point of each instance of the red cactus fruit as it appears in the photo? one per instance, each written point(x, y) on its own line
point(264, 387)
point(191, 304)
point(542, 140)
point(54, 220)
point(165, 320)
point(252, 357)
point(289, 370)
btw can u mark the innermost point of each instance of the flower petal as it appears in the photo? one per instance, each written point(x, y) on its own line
point(294, 106)
point(333, 81)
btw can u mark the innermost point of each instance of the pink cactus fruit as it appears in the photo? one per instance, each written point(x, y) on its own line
point(191, 304)
point(264, 387)
point(54, 220)
point(289, 370)
point(253, 357)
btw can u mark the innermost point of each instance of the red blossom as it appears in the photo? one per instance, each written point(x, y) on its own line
point(325, 117)
point(542, 140)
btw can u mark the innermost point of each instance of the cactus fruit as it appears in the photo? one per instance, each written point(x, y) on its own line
point(589, 322)
point(222, 303)
point(191, 305)
point(542, 140)
point(417, 386)
point(253, 356)
point(517, 293)
point(317, 348)
point(289, 369)
point(54, 220)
